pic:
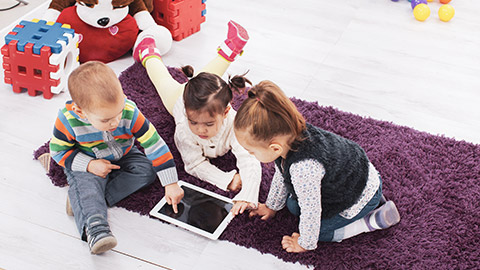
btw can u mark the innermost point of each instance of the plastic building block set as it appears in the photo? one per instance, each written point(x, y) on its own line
point(38, 56)
point(181, 17)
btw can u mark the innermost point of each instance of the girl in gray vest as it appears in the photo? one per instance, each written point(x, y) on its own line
point(323, 178)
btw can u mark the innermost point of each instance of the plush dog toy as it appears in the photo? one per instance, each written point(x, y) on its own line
point(108, 28)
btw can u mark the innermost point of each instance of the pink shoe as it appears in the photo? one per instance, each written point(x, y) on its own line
point(145, 49)
point(237, 37)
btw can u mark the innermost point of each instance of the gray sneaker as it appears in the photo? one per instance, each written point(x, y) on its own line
point(99, 236)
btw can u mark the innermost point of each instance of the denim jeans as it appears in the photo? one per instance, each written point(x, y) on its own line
point(90, 194)
point(328, 226)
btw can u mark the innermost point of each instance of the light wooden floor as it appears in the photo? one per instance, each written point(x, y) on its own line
point(369, 57)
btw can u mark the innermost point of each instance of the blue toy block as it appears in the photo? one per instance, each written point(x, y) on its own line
point(39, 33)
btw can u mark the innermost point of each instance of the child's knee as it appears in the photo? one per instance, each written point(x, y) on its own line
point(143, 172)
point(148, 175)
point(151, 177)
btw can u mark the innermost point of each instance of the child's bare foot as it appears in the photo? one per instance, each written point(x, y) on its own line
point(236, 183)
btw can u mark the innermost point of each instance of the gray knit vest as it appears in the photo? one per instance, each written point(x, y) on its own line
point(346, 168)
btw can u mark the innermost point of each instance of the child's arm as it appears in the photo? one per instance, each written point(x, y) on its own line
point(63, 146)
point(155, 148)
point(63, 150)
point(158, 152)
point(101, 167)
point(290, 243)
point(276, 199)
point(306, 178)
point(173, 195)
point(197, 164)
point(277, 196)
point(250, 172)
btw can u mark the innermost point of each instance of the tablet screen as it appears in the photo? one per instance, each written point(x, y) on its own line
point(200, 211)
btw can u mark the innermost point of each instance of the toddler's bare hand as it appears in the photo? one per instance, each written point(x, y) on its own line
point(174, 194)
point(290, 243)
point(263, 211)
point(101, 167)
point(236, 183)
point(240, 206)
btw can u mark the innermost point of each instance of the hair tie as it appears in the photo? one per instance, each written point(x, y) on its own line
point(253, 95)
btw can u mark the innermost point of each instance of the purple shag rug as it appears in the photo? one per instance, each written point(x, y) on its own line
point(433, 180)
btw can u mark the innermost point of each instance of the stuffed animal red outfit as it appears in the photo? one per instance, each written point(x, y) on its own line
point(108, 28)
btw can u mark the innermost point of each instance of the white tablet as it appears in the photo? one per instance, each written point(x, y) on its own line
point(200, 211)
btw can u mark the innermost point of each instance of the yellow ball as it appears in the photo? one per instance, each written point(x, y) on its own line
point(421, 12)
point(446, 12)
point(429, 0)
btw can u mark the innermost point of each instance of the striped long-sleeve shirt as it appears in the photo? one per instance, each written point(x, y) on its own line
point(76, 142)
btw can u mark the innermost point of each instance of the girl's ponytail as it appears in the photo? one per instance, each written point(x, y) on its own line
point(238, 83)
point(188, 71)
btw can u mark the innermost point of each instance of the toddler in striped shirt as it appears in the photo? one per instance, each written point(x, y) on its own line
point(93, 140)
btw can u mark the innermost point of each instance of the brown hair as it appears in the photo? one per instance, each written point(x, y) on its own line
point(208, 92)
point(268, 112)
point(94, 83)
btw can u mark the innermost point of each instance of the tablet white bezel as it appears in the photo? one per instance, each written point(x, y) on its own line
point(214, 236)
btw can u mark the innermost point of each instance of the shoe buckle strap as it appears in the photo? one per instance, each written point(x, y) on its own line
point(226, 50)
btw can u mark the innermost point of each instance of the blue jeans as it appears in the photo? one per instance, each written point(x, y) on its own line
point(90, 194)
point(329, 225)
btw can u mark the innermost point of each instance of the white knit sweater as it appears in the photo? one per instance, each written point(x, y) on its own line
point(196, 152)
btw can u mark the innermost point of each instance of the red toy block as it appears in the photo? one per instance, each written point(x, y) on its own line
point(181, 17)
point(38, 56)
point(29, 71)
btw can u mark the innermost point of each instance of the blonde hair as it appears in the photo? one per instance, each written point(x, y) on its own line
point(93, 84)
point(268, 112)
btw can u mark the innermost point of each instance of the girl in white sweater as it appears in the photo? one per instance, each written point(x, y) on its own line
point(204, 117)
